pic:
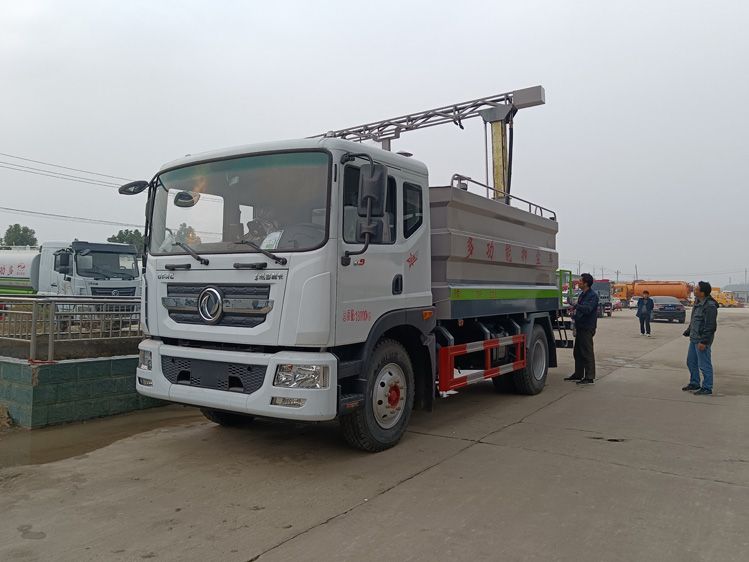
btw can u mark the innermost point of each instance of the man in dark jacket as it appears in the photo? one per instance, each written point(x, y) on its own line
point(644, 308)
point(701, 333)
point(586, 321)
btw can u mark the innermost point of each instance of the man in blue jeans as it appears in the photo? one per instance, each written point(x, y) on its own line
point(701, 333)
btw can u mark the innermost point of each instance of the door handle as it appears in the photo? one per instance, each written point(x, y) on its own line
point(398, 284)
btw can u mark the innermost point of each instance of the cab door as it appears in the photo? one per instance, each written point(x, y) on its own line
point(372, 284)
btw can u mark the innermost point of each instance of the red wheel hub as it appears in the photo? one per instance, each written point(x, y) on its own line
point(394, 396)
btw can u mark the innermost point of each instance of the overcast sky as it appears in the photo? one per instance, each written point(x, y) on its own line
point(640, 148)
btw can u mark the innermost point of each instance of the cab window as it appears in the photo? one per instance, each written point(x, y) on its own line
point(413, 209)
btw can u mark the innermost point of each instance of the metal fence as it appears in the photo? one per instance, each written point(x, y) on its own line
point(63, 319)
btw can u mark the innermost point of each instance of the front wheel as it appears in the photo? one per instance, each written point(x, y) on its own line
point(532, 379)
point(388, 399)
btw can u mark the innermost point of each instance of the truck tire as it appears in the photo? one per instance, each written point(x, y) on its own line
point(532, 379)
point(682, 320)
point(388, 399)
point(228, 419)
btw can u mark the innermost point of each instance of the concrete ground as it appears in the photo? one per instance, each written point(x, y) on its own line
point(631, 469)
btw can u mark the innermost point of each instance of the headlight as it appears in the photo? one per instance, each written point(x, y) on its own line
point(145, 360)
point(301, 376)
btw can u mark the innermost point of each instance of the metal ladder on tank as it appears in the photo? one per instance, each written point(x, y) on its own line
point(562, 323)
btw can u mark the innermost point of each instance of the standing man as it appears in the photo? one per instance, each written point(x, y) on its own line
point(586, 320)
point(701, 333)
point(644, 308)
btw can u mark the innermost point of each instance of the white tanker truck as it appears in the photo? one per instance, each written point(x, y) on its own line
point(321, 278)
point(82, 269)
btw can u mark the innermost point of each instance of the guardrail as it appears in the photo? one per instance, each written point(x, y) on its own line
point(461, 182)
point(64, 319)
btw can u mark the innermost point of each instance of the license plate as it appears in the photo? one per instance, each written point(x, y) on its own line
point(670, 308)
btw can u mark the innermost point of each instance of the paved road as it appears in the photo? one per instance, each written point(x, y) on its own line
point(631, 469)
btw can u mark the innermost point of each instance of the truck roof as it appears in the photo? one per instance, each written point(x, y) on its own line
point(391, 159)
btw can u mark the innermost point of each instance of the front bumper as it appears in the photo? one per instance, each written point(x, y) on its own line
point(319, 404)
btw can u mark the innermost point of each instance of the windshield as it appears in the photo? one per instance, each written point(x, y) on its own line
point(601, 287)
point(106, 265)
point(275, 201)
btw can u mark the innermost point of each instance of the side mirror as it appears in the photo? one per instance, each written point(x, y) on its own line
point(372, 187)
point(64, 261)
point(186, 199)
point(133, 188)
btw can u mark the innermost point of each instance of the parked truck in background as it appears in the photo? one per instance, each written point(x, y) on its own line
point(724, 299)
point(622, 291)
point(679, 289)
point(325, 279)
point(603, 288)
point(75, 268)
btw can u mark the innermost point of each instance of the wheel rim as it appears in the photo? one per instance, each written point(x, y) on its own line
point(389, 395)
point(538, 360)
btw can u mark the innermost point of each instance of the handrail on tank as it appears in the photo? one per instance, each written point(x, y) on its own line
point(499, 194)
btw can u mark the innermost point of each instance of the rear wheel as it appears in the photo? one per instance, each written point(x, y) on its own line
point(229, 419)
point(388, 399)
point(532, 379)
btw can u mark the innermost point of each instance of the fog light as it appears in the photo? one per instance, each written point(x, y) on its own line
point(290, 402)
point(145, 382)
point(301, 376)
point(145, 360)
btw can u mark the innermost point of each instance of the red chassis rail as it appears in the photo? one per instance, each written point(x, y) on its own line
point(447, 378)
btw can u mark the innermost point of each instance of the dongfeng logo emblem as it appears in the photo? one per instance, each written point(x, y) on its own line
point(210, 305)
point(115, 293)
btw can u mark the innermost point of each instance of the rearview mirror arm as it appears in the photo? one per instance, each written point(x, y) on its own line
point(346, 258)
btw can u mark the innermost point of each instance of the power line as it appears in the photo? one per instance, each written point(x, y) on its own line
point(63, 167)
point(69, 218)
point(57, 175)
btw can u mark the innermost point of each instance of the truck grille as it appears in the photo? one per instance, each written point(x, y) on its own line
point(179, 295)
point(109, 292)
point(229, 377)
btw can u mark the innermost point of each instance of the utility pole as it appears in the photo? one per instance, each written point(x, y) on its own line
point(579, 264)
point(617, 275)
point(636, 276)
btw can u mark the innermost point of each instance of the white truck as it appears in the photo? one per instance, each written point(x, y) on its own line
point(322, 278)
point(77, 268)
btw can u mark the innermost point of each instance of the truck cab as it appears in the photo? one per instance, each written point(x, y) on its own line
point(83, 269)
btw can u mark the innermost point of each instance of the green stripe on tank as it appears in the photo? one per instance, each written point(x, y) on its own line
point(8, 291)
point(501, 294)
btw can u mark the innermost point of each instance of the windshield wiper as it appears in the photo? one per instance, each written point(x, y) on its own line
point(266, 253)
point(192, 252)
